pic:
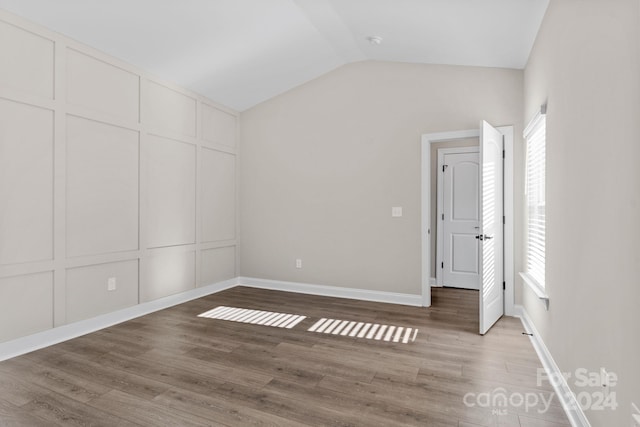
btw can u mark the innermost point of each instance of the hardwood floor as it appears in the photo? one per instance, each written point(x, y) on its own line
point(172, 368)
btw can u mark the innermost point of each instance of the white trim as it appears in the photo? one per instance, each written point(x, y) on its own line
point(432, 282)
point(23, 345)
point(536, 288)
point(533, 123)
point(450, 136)
point(431, 138)
point(567, 398)
point(509, 230)
point(332, 291)
point(59, 334)
point(635, 415)
point(440, 203)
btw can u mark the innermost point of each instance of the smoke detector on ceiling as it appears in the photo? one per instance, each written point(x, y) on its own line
point(374, 40)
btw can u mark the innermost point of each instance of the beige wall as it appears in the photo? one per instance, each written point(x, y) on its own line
point(323, 164)
point(105, 172)
point(586, 63)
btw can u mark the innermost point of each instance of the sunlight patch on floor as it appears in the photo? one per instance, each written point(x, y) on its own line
point(338, 327)
point(254, 317)
point(370, 331)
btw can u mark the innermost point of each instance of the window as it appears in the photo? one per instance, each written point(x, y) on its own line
point(535, 135)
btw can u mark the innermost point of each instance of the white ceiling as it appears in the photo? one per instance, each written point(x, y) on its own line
point(242, 52)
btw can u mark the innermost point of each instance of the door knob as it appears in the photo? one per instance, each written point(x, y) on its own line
point(484, 237)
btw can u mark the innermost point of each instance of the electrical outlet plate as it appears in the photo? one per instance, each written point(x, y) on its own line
point(396, 211)
point(111, 284)
point(298, 263)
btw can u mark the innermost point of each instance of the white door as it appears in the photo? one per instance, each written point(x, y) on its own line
point(491, 227)
point(459, 217)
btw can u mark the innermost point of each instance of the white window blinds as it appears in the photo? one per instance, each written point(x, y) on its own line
point(534, 136)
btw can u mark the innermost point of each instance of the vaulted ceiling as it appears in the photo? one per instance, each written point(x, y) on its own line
point(242, 52)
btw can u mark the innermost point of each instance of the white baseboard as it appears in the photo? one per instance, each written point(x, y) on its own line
point(53, 336)
point(432, 282)
point(332, 291)
point(567, 398)
point(23, 345)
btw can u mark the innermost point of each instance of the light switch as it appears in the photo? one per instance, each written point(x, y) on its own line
point(111, 284)
point(396, 211)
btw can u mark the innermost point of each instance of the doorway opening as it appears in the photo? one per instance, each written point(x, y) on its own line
point(495, 233)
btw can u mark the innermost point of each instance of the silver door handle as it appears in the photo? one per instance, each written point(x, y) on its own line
point(484, 237)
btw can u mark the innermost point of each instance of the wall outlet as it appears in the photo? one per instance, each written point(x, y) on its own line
point(298, 263)
point(396, 211)
point(111, 284)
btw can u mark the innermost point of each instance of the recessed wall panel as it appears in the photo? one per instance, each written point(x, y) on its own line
point(464, 253)
point(218, 126)
point(218, 196)
point(217, 265)
point(169, 110)
point(26, 183)
point(465, 191)
point(27, 61)
point(103, 87)
point(87, 292)
point(102, 188)
point(171, 189)
point(167, 274)
point(28, 306)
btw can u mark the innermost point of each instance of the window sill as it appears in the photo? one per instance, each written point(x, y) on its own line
point(536, 288)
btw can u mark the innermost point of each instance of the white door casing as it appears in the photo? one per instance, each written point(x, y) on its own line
point(491, 234)
point(426, 232)
point(458, 220)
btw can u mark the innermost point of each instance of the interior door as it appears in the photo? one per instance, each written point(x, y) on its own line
point(460, 221)
point(491, 227)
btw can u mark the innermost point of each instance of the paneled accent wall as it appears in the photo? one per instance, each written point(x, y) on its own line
point(106, 174)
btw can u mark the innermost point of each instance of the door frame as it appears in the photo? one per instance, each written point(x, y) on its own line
point(425, 195)
point(440, 203)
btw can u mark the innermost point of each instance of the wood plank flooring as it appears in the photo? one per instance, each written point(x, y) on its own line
point(172, 368)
